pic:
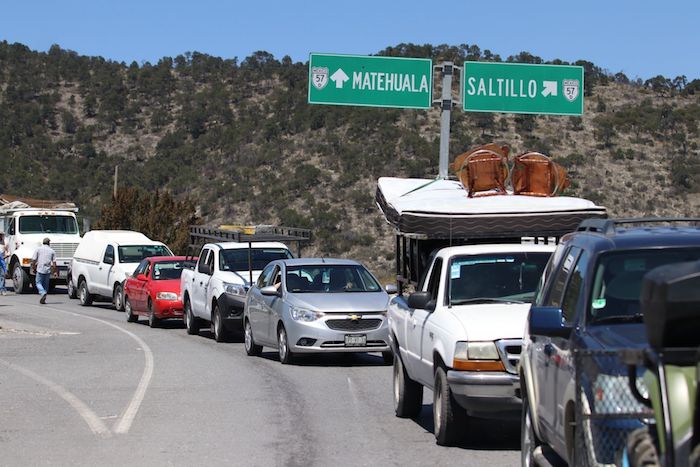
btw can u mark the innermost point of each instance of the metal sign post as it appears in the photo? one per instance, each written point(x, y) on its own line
point(446, 109)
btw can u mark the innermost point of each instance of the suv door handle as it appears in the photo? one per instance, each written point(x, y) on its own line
point(548, 349)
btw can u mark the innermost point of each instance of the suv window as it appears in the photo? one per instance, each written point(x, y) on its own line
point(562, 276)
point(109, 255)
point(574, 289)
point(202, 260)
point(434, 282)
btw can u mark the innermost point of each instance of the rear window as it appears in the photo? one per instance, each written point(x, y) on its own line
point(167, 270)
point(237, 260)
point(135, 253)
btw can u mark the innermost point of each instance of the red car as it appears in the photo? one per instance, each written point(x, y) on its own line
point(153, 289)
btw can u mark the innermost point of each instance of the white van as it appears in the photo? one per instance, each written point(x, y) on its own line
point(104, 259)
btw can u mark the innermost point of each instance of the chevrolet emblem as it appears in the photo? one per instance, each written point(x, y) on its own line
point(354, 317)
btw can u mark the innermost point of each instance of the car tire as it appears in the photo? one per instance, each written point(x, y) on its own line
point(192, 323)
point(388, 357)
point(449, 418)
point(130, 316)
point(641, 449)
point(408, 394)
point(20, 279)
point(153, 320)
point(286, 355)
point(528, 439)
point(118, 297)
point(251, 348)
point(220, 332)
point(72, 291)
point(84, 294)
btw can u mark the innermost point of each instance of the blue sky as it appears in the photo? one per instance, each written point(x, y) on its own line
point(640, 38)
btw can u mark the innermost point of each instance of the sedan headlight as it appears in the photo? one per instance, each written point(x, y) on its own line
point(477, 356)
point(166, 296)
point(234, 289)
point(302, 314)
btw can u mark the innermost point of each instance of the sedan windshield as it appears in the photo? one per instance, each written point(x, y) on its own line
point(48, 224)
point(495, 278)
point(237, 259)
point(617, 283)
point(135, 253)
point(167, 270)
point(330, 279)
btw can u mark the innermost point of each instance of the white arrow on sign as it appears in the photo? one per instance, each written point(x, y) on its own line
point(550, 88)
point(339, 78)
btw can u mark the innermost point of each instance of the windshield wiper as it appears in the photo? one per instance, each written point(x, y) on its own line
point(638, 318)
point(483, 300)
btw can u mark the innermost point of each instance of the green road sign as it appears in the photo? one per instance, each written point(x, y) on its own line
point(370, 81)
point(522, 88)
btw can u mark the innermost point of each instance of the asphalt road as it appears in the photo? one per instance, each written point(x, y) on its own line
point(81, 386)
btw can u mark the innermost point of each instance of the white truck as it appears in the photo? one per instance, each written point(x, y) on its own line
point(474, 264)
point(26, 223)
point(214, 291)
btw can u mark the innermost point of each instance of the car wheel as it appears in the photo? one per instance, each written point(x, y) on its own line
point(408, 394)
point(641, 449)
point(217, 326)
point(153, 320)
point(528, 438)
point(448, 417)
point(191, 321)
point(72, 291)
point(251, 348)
point(20, 279)
point(388, 357)
point(130, 316)
point(286, 355)
point(84, 294)
point(118, 298)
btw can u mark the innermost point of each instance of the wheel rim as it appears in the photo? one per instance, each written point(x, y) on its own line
point(396, 384)
point(17, 278)
point(83, 293)
point(282, 337)
point(188, 318)
point(526, 444)
point(248, 337)
point(71, 289)
point(437, 406)
point(118, 299)
point(127, 308)
point(217, 324)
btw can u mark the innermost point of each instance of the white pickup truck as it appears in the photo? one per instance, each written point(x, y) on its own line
point(215, 290)
point(460, 333)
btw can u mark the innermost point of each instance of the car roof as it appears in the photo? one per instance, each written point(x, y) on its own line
point(319, 262)
point(639, 237)
point(158, 259)
point(497, 248)
point(237, 245)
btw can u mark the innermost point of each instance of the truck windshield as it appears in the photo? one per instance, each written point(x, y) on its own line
point(237, 259)
point(48, 224)
point(330, 279)
point(135, 253)
point(618, 281)
point(500, 277)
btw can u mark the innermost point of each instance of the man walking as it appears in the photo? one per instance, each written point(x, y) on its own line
point(44, 261)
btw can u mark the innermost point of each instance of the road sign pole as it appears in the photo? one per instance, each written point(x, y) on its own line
point(446, 107)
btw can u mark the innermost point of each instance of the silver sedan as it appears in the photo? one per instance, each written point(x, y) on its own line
point(316, 305)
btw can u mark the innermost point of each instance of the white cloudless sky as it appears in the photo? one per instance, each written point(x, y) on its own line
point(640, 38)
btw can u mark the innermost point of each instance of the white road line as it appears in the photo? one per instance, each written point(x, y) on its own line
point(96, 425)
point(123, 424)
point(353, 393)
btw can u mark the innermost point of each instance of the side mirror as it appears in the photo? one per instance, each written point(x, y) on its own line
point(421, 300)
point(548, 321)
point(205, 269)
point(141, 277)
point(270, 291)
point(391, 289)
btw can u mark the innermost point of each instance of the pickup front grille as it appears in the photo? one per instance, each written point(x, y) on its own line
point(64, 250)
point(353, 324)
point(509, 350)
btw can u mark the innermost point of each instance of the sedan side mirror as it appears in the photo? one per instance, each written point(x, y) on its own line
point(391, 289)
point(205, 269)
point(141, 277)
point(270, 291)
point(547, 321)
point(421, 300)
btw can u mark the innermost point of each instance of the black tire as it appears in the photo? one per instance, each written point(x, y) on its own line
point(192, 323)
point(118, 297)
point(220, 332)
point(84, 294)
point(130, 316)
point(251, 348)
point(408, 394)
point(388, 357)
point(448, 417)
point(641, 449)
point(72, 291)
point(286, 355)
point(528, 439)
point(20, 279)
point(153, 320)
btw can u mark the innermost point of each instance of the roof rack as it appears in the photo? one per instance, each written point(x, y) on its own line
point(199, 235)
point(607, 226)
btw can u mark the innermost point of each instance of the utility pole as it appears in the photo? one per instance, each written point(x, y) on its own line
point(446, 109)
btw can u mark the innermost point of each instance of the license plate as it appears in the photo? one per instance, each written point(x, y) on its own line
point(355, 340)
point(62, 274)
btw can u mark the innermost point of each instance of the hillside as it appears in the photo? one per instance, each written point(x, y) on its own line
point(240, 140)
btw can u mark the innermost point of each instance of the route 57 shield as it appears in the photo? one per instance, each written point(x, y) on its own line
point(319, 77)
point(571, 89)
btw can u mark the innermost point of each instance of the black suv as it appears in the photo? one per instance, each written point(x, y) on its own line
point(576, 399)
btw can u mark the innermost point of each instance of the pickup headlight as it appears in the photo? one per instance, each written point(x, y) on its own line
point(302, 314)
point(166, 296)
point(234, 289)
point(477, 356)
